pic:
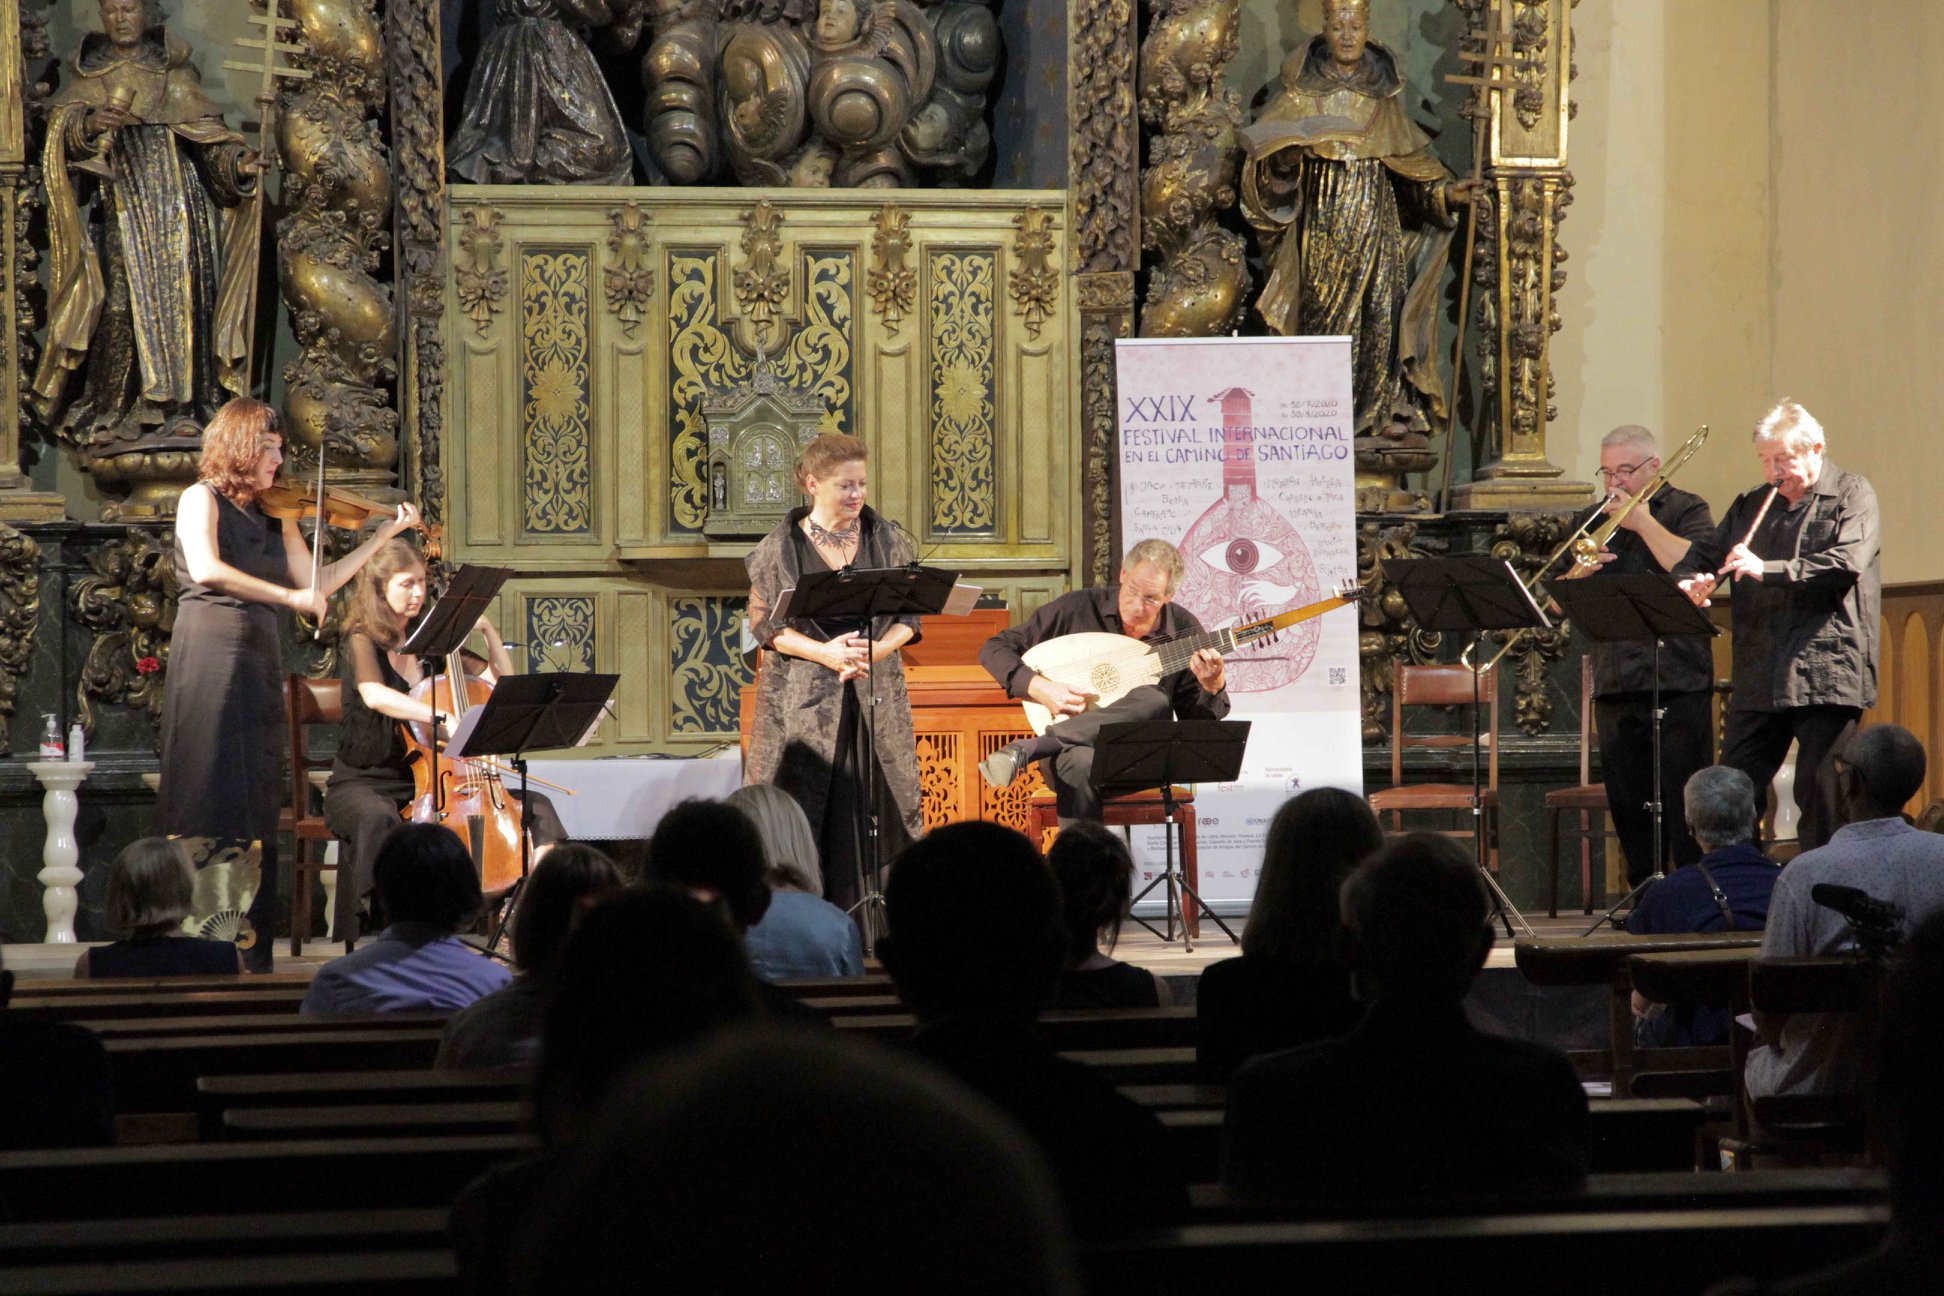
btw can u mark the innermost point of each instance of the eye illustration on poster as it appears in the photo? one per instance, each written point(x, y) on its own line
point(1247, 562)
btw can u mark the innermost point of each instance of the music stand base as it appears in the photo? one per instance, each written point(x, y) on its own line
point(1624, 902)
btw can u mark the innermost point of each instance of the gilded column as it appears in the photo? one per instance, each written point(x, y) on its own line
point(18, 501)
point(1519, 259)
point(1105, 170)
point(338, 191)
point(418, 147)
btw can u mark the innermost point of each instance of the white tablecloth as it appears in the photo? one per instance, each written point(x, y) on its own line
point(627, 796)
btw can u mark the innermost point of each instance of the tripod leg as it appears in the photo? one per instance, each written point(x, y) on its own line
point(1201, 906)
point(1169, 935)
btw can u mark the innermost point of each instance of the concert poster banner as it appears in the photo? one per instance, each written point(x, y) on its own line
point(1238, 450)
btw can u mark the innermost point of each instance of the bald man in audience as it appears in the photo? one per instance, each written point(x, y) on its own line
point(1875, 851)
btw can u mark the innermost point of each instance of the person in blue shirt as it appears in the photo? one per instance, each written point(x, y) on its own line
point(429, 886)
point(1727, 890)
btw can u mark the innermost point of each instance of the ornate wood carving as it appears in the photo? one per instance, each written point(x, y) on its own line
point(1034, 283)
point(19, 616)
point(1389, 633)
point(337, 193)
point(417, 85)
point(1520, 264)
point(892, 284)
point(1105, 164)
point(1526, 540)
point(480, 282)
point(763, 284)
point(629, 280)
point(129, 600)
point(1199, 287)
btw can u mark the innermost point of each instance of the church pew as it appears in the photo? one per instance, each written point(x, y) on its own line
point(1656, 1190)
point(159, 1073)
point(1618, 1254)
point(429, 1272)
point(230, 1178)
point(1131, 1066)
point(166, 1003)
point(212, 1236)
point(1623, 1134)
point(376, 1120)
point(1118, 1028)
point(267, 983)
point(1602, 960)
point(261, 1024)
point(216, 1094)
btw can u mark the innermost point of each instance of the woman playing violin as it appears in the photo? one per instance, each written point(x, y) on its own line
point(371, 777)
point(223, 711)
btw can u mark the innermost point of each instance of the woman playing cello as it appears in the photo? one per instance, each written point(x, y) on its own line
point(222, 710)
point(371, 777)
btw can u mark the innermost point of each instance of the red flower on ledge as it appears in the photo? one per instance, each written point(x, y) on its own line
point(148, 665)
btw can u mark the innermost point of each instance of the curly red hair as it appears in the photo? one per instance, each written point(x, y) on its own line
point(231, 446)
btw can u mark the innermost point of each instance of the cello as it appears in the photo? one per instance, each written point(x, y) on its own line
point(467, 796)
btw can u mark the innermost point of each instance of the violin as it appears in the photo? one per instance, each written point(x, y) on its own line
point(346, 510)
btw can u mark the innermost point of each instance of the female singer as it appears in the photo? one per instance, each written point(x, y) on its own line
point(812, 729)
point(222, 711)
point(371, 777)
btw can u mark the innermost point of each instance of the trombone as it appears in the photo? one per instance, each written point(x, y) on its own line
point(1587, 540)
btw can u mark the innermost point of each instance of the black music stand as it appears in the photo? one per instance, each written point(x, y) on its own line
point(1472, 594)
point(529, 713)
point(1159, 754)
point(444, 629)
point(861, 595)
point(1618, 608)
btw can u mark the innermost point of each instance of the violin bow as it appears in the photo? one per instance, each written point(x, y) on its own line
point(318, 538)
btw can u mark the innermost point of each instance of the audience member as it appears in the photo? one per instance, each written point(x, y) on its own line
point(711, 850)
point(1910, 1130)
point(645, 972)
point(715, 1172)
point(1096, 878)
point(55, 1086)
point(1289, 985)
point(801, 934)
point(151, 889)
point(1414, 1102)
point(1875, 851)
point(974, 948)
point(503, 1029)
point(1727, 889)
point(429, 888)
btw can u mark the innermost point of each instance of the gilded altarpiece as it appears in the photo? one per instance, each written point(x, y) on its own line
point(584, 329)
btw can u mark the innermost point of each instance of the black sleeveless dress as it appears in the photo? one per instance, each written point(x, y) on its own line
point(223, 732)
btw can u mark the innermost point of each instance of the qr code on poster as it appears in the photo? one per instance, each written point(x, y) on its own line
point(1337, 674)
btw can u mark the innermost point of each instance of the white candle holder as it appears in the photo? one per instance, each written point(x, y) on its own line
point(59, 855)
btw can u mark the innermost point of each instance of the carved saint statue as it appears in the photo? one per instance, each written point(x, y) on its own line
point(537, 109)
point(1355, 216)
point(151, 302)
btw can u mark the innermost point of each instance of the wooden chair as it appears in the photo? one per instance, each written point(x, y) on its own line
point(307, 702)
point(1127, 811)
point(1442, 686)
point(1588, 800)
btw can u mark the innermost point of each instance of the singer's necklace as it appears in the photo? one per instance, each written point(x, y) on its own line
point(825, 536)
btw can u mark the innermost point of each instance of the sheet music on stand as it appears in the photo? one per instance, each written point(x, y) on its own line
point(958, 598)
point(462, 733)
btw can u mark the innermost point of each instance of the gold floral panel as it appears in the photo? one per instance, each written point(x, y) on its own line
point(560, 632)
point(556, 404)
point(819, 356)
point(705, 665)
point(964, 423)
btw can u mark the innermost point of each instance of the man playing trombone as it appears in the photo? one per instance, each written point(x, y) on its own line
point(1803, 554)
point(1650, 538)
